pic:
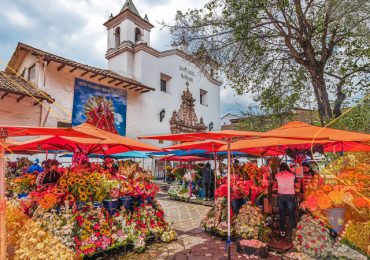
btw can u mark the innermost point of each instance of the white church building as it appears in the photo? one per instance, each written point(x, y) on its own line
point(162, 91)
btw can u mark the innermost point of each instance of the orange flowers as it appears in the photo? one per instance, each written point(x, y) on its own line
point(324, 202)
point(361, 202)
point(48, 201)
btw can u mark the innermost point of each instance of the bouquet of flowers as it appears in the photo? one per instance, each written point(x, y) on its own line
point(257, 174)
point(168, 235)
point(357, 235)
point(250, 223)
point(216, 218)
point(150, 190)
point(312, 237)
point(35, 243)
point(239, 188)
point(92, 230)
point(24, 184)
point(118, 225)
point(59, 225)
point(15, 221)
point(17, 168)
point(189, 176)
point(342, 251)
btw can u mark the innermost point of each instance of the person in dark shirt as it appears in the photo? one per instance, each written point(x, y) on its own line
point(49, 176)
point(207, 178)
point(110, 167)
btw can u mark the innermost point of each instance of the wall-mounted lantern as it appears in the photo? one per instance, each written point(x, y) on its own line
point(162, 114)
point(210, 126)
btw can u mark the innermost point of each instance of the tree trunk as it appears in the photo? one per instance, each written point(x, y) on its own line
point(322, 97)
point(339, 100)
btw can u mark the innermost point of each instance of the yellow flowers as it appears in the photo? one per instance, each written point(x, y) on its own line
point(336, 196)
point(70, 197)
point(81, 185)
point(83, 197)
point(82, 189)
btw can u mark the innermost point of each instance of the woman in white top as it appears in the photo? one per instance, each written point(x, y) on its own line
point(286, 197)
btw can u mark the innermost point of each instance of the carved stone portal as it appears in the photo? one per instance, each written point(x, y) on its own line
point(185, 120)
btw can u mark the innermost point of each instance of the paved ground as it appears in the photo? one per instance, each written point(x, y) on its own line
point(193, 242)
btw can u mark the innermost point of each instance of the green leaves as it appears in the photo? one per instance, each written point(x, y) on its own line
point(285, 45)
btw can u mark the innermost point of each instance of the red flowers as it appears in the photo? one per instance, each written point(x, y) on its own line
point(159, 214)
point(79, 218)
point(96, 227)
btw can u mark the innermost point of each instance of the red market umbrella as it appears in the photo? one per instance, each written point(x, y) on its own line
point(188, 158)
point(86, 145)
point(13, 131)
point(199, 136)
point(209, 145)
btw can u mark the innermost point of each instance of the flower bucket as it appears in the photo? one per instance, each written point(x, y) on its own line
point(97, 204)
point(236, 204)
point(139, 201)
point(22, 195)
point(150, 200)
point(126, 202)
point(111, 204)
point(336, 218)
point(80, 205)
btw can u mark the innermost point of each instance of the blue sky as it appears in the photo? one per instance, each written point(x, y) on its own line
point(74, 29)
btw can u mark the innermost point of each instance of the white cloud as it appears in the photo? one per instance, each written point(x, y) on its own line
point(74, 29)
point(17, 18)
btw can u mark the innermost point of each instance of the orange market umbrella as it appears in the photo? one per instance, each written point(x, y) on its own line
point(300, 130)
point(277, 146)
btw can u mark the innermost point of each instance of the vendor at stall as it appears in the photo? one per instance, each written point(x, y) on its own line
point(286, 197)
point(110, 167)
point(206, 179)
point(310, 177)
point(35, 167)
point(50, 175)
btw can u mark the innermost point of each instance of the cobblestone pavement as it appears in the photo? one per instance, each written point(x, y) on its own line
point(193, 242)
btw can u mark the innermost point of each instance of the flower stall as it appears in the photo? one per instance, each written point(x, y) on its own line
point(342, 204)
point(88, 212)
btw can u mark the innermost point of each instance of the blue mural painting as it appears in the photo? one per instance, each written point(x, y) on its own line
point(99, 105)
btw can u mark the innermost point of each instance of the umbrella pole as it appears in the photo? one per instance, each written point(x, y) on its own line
point(165, 168)
point(228, 201)
point(2, 200)
point(215, 173)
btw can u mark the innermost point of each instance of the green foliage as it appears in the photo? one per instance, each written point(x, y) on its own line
point(356, 118)
point(283, 51)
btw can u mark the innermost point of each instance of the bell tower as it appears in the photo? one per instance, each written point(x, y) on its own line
point(126, 30)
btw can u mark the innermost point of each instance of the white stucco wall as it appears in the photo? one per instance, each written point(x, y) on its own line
point(142, 109)
point(19, 113)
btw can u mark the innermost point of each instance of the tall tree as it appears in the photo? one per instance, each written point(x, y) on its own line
point(295, 47)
